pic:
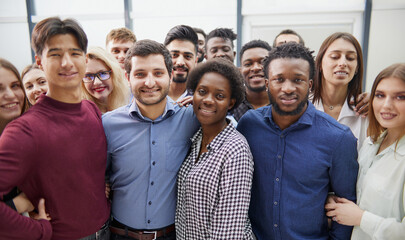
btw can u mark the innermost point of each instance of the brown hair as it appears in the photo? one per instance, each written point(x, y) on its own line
point(29, 68)
point(121, 35)
point(49, 27)
point(9, 66)
point(397, 71)
point(354, 87)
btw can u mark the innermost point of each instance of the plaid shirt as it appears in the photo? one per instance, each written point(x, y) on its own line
point(214, 192)
point(243, 107)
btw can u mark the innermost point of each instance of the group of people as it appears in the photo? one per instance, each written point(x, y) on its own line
point(104, 144)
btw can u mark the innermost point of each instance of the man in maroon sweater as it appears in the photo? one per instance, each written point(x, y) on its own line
point(57, 150)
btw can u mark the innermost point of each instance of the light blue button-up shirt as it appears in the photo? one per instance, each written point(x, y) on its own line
point(144, 157)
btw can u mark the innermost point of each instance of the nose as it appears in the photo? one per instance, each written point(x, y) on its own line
point(342, 61)
point(387, 103)
point(121, 54)
point(220, 53)
point(97, 81)
point(9, 94)
point(288, 86)
point(37, 89)
point(208, 99)
point(66, 60)
point(180, 60)
point(150, 81)
point(257, 67)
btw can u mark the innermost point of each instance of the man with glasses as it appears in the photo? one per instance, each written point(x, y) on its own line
point(57, 150)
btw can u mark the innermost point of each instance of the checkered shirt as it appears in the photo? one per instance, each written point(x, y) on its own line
point(243, 107)
point(214, 193)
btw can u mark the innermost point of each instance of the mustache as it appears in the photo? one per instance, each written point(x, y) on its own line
point(180, 67)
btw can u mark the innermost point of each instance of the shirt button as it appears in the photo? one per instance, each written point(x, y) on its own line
point(150, 203)
point(153, 163)
point(281, 135)
point(277, 179)
point(148, 221)
point(279, 156)
point(153, 142)
point(152, 183)
point(275, 225)
point(275, 203)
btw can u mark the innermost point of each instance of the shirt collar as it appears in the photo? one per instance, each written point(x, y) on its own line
point(217, 142)
point(305, 119)
point(170, 108)
point(396, 148)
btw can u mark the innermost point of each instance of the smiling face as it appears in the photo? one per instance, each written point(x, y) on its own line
point(252, 69)
point(289, 85)
point(64, 64)
point(389, 104)
point(99, 89)
point(218, 47)
point(184, 59)
point(212, 100)
point(35, 84)
point(149, 79)
point(11, 95)
point(339, 64)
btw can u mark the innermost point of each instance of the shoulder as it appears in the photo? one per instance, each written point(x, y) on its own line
point(257, 115)
point(118, 113)
point(235, 141)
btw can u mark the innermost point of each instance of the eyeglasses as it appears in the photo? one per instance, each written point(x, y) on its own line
point(89, 77)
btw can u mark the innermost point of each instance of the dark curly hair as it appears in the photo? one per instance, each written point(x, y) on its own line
point(254, 44)
point(224, 33)
point(226, 69)
point(291, 50)
point(184, 33)
point(146, 47)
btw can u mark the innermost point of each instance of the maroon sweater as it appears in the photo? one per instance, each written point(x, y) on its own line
point(55, 151)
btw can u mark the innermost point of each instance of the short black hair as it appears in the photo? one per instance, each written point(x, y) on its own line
point(184, 33)
point(289, 31)
point(144, 48)
point(291, 50)
point(226, 69)
point(199, 30)
point(49, 27)
point(224, 33)
point(254, 44)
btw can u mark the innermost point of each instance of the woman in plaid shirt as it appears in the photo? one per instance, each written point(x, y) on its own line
point(215, 179)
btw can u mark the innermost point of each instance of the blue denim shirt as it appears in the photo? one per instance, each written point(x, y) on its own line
point(144, 157)
point(295, 168)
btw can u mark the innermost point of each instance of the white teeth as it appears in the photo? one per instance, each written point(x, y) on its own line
point(207, 111)
point(387, 115)
point(341, 73)
point(10, 105)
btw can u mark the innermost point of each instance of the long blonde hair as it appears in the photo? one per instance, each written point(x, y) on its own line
point(119, 96)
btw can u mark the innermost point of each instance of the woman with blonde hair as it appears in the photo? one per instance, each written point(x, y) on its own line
point(34, 81)
point(379, 213)
point(104, 82)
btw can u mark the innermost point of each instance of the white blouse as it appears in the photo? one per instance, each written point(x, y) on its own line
point(380, 191)
point(348, 117)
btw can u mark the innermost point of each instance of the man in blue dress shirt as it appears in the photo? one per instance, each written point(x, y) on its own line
point(147, 142)
point(300, 154)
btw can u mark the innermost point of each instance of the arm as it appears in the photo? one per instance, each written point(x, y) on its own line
point(231, 215)
point(343, 178)
point(16, 159)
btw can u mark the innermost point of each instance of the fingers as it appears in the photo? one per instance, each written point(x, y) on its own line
point(41, 210)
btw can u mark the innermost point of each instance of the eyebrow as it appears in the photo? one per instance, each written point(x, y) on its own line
point(177, 51)
point(344, 51)
point(60, 49)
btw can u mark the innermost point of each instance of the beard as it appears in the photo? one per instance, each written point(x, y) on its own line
point(256, 89)
point(296, 111)
point(180, 78)
point(200, 56)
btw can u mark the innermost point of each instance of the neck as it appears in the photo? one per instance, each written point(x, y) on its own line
point(210, 132)
point(394, 135)
point(176, 90)
point(152, 111)
point(284, 121)
point(66, 96)
point(334, 95)
point(257, 99)
point(102, 105)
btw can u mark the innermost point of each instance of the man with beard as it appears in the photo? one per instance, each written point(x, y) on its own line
point(147, 141)
point(252, 55)
point(182, 42)
point(219, 44)
point(300, 154)
point(201, 43)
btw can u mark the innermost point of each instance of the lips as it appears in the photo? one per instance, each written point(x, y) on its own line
point(99, 89)
point(206, 111)
point(341, 73)
point(67, 74)
point(180, 69)
point(11, 106)
point(288, 100)
point(387, 116)
point(256, 77)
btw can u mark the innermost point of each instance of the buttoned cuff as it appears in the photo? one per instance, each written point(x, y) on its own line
point(370, 222)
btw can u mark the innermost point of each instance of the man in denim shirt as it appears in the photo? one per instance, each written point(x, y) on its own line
point(300, 154)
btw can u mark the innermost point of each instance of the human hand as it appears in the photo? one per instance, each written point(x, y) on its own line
point(22, 203)
point(185, 101)
point(41, 212)
point(362, 104)
point(344, 212)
